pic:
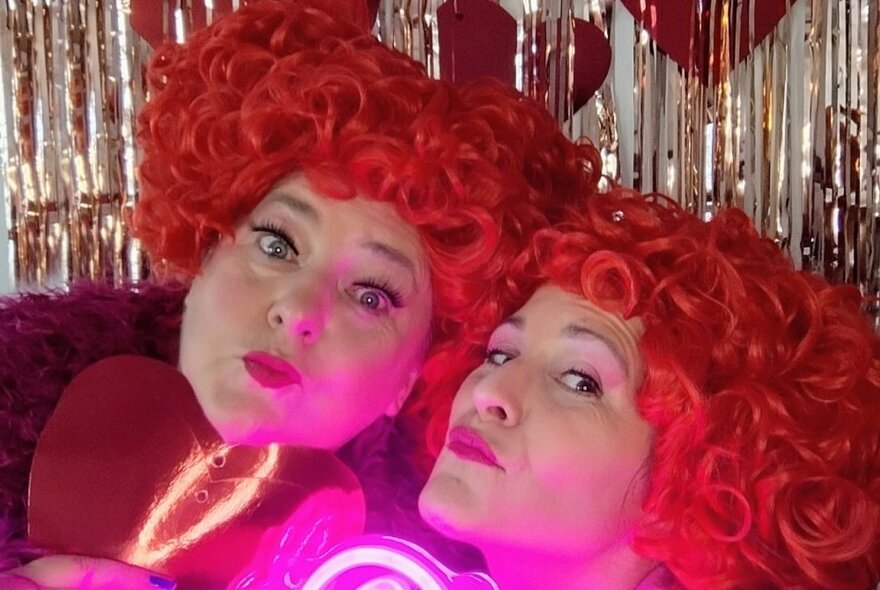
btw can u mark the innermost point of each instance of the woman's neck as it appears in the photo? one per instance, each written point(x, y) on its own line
point(517, 569)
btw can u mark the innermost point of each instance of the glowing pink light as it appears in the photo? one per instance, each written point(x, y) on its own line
point(402, 565)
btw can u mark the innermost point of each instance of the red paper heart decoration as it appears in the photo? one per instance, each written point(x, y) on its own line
point(592, 59)
point(478, 38)
point(685, 35)
point(129, 468)
point(152, 22)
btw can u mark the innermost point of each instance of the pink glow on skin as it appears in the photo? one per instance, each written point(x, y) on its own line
point(555, 402)
point(334, 294)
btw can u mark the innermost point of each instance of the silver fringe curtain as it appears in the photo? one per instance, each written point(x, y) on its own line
point(789, 133)
point(70, 83)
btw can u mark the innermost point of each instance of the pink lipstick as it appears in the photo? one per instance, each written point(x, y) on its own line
point(470, 446)
point(271, 371)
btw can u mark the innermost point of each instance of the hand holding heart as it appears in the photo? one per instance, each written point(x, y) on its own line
point(82, 573)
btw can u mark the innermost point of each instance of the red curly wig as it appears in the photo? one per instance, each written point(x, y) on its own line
point(284, 86)
point(762, 383)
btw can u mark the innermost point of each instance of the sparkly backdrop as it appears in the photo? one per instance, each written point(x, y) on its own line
point(767, 105)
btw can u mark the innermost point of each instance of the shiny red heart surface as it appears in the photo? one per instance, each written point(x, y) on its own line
point(129, 468)
point(691, 36)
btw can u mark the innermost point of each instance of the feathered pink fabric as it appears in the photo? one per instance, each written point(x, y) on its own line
point(47, 338)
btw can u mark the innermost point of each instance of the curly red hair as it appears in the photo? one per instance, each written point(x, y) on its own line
point(283, 86)
point(762, 383)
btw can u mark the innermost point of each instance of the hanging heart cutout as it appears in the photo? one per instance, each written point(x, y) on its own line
point(691, 37)
point(478, 39)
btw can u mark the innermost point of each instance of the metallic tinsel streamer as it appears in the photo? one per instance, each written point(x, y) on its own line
point(409, 27)
point(790, 134)
point(71, 70)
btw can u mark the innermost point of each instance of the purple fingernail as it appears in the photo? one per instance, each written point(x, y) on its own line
point(163, 583)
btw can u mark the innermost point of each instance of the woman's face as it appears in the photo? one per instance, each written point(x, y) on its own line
point(546, 449)
point(311, 323)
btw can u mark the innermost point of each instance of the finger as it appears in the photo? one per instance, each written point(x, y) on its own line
point(11, 581)
point(90, 573)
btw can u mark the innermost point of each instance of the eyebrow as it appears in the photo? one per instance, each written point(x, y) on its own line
point(513, 321)
point(578, 332)
point(575, 332)
point(295, 204)
point(392, 255)
point(381, 249)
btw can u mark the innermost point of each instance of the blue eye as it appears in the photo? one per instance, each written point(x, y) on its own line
point(581, 382)
point(372, 299)
point(275, 242)
point(275, 247)
point(497, 357)
point(377, 296)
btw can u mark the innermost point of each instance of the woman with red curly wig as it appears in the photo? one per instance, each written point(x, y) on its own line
point(672, 405)
point(335, 207)
point(334, 216)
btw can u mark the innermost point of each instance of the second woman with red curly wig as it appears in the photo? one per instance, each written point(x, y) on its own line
point(672, 405)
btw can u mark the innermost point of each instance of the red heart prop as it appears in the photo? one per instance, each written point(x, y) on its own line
point(684, 34)
point(129, 468)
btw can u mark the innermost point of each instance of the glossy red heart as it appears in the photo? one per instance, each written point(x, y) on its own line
point(684, 32)
point(129, 468)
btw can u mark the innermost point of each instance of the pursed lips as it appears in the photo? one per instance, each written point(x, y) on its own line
point(271, 371)
point(468, 445)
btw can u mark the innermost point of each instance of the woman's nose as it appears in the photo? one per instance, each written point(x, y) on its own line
point(498, 397)
point(301, 311)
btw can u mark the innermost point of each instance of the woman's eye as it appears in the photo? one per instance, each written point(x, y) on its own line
point(275, 244)
point(497, 357)
point(275, 247)
point(581, 382)
point(372, 298)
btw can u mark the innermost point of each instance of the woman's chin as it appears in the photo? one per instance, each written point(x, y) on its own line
point(235, 432)
point(445, 514)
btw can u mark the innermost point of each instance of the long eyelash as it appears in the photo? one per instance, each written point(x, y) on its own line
point(395, 295)
point(271, 227)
